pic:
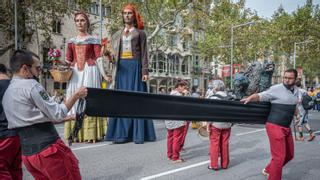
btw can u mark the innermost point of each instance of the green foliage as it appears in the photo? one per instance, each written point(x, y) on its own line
point(35, 16)
point(272, 37)
point(267, 38)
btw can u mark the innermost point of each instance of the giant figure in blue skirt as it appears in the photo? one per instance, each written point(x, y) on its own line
point(129, 51)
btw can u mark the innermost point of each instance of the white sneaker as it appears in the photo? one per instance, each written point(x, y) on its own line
point(264, 172)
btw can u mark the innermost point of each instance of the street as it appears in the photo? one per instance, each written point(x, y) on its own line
point(249, 154)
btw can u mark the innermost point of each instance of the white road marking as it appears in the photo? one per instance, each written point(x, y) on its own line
point(88, 147)
point(250, 132)
point(175, 170)
point(193, 165)
point(99, 145)
point(316, 132)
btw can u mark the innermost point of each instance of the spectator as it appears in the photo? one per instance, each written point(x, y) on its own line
point(44, 154)
point(219, 132)
point(10, 151)
point(304, 117)
point(162, 90)
point(175, 129)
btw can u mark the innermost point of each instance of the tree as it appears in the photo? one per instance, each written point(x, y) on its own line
point(267, 37)
point(306, 21)
point(225, 14)
point(34, 17)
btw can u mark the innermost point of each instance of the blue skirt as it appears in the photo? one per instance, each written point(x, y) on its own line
point(121, 130)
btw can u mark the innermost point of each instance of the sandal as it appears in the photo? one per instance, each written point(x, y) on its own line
point(178, 161)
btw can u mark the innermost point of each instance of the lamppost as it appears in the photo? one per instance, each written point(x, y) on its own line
point(15, 25)
point(294, 51)
point(231, 45)
point(100, 9)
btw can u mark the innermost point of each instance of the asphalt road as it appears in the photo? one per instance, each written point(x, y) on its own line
point(249, 153)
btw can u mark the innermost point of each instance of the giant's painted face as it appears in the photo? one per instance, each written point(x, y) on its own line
point(128, 16)
point(81, 23)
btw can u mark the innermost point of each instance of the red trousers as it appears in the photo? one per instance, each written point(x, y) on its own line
point(55, 162)
point(174, 141)
point(185, 131)
point(10, 158)
point(281, 147)
point(219, 144)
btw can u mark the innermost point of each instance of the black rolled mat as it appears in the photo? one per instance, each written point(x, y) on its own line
point(116, 103)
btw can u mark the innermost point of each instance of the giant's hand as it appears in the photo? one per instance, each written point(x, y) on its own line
point(145, 78)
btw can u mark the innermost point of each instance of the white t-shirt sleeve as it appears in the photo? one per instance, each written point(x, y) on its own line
point(54, 111)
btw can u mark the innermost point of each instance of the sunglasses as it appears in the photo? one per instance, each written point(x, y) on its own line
point(38, 68)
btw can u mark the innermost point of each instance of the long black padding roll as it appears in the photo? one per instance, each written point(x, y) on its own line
point(111, 103)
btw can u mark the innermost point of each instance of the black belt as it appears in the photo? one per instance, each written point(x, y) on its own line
point(281, 114)
point(37, 137)
point(7, 133)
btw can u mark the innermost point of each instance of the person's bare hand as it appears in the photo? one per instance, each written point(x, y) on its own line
point(245, 100)
point(145, 78)
point(70, 117)
point(208, 128)
point(185, 91)
point(82, 92)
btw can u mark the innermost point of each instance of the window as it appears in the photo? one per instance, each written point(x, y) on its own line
point(196, 60)
point(93, 8)
point(72, 4)
point(172, 40)
point(106, 10)
point(179, 21)
point(162, 63)
point(186, 45)
point(56, 27)
point(171, 67)
point(97, 9)
point(154, 64)
point(196, 65)
point(184, 66)
point(176, 64)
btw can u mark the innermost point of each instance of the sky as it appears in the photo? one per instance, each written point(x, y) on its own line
point(266, 8)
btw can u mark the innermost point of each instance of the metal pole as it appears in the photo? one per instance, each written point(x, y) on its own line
point(15, 25)
point(294, 51)
point(100, 20)
point(294, 55)
point(231, 62)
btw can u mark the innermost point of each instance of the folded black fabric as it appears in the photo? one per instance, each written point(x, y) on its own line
point(111, 103)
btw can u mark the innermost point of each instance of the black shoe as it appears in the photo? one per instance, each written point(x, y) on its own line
point(214, 169)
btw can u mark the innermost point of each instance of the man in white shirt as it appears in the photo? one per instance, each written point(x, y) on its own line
point(32, 112)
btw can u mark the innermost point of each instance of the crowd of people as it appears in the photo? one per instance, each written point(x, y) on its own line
point(28, 113)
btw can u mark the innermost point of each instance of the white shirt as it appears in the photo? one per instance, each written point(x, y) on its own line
point(220, 125)
point(172, 124)
point(279, 94)
point(26, 103)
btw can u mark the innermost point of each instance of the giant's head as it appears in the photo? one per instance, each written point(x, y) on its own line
point(132, 17)
point(82, 21)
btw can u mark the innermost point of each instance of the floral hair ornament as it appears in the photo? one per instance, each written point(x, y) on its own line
point(104, 42)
